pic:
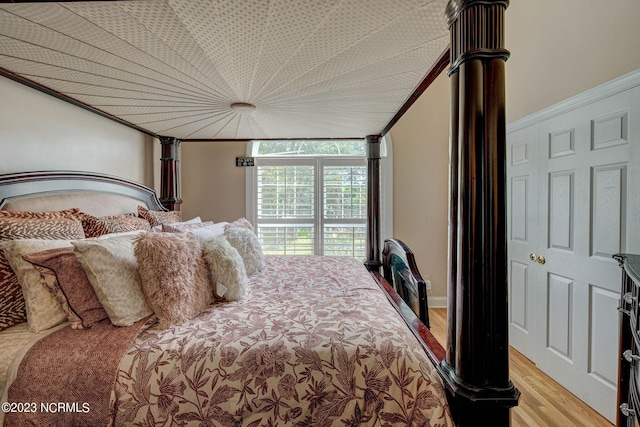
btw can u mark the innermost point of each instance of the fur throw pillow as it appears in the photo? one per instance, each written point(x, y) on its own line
point(227, 269)
point(174, 276)
point(248, 246)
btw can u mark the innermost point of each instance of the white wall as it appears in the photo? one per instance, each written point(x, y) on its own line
point(40, 132)
point(562, 48)
point(558, 49)
point(213, 187)
point(421, 184)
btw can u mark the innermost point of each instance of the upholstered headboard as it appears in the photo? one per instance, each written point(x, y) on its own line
point(95, 194)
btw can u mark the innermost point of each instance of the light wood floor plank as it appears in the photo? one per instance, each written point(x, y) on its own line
point(543, 402)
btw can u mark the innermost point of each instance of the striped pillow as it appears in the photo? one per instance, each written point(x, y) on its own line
point(95, 227)
point(29, 225)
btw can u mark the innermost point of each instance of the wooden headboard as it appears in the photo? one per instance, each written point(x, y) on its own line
point(96, 194)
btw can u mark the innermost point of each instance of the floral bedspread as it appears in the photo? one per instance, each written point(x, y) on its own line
point(315, 343)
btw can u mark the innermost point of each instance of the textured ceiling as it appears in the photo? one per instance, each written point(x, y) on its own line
point(312, 68)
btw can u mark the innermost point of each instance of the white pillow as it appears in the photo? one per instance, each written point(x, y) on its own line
point(43, 310)
point(228, 274)
point(248, 246)
point(208, 232)
point(196, 220)
point(112, 269)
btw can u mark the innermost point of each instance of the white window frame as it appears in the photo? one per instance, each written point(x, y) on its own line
point(386, 187)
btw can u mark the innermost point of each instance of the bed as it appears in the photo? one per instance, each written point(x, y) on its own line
point(315, 341)
point(474, 366)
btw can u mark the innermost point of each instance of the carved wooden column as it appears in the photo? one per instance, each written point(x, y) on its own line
point(373, 203)
point(169, 173)
point(476, 368)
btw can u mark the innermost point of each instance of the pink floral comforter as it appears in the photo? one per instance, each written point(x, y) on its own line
point(315, 343)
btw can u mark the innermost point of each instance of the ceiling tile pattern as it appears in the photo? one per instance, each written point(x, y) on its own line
point(313, 69)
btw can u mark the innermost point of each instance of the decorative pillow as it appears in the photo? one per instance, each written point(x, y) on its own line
point(49, 281)
point(208, 232)
point(12, 306)
point(227, 269)
point(112, 269)
point(12, 228)
point(25, 225)
point(43, 311)
point(239, 223)
point(248, 246)
point(94, 226)
point(159, 217)
point(177, 287)
point(195, 220)
point(183, 227)
point(40, 215)
point(73, 283)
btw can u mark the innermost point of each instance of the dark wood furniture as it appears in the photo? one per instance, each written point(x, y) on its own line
point(629, 361)
point(475, 366)
point(36, 184)
point(401, 271)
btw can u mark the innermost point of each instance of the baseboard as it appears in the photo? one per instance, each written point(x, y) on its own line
point(437, 302)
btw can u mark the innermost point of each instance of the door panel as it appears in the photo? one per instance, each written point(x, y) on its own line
point(559, 313)
point(561, 221)
point(521, 188)
point(519, 315)
point(602, 303)
point(609, 185)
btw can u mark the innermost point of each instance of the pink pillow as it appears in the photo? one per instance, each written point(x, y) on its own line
point(156, 218)
point(177, 286)
point(49, 281)
point(73, 282)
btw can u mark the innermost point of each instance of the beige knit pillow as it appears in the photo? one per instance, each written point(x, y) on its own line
point(175, 279)
point(227, 269)
point(248, 246)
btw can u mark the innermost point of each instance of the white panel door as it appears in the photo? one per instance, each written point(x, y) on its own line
point(522, 237)
point(585, 210)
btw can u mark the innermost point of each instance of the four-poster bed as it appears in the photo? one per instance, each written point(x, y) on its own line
point(474, 368)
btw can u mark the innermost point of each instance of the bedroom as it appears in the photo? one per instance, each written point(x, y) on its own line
point(567, 55)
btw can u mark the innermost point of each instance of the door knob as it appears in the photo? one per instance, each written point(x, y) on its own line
point(541, 259)
point(533, 257)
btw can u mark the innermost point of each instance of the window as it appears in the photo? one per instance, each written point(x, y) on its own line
point(311, 197)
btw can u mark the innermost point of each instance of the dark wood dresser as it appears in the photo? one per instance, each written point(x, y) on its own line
point(629, 362)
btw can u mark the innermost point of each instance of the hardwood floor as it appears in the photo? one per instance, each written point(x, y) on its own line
point(543, 402)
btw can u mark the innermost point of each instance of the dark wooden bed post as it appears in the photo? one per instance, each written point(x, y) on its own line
point(476, 368)
point(373, 203)
point(169, 173)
